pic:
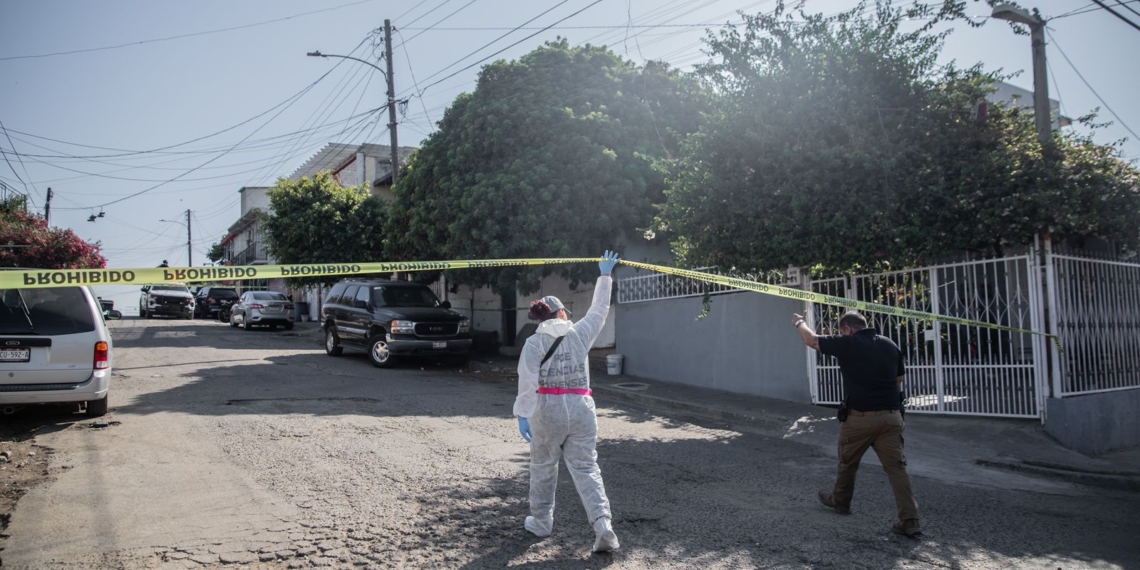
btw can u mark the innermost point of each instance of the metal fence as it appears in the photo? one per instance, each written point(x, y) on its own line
point(657, 286)
point(1096, 316)
point(951, 369)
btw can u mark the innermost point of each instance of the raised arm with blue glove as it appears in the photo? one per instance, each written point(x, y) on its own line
point(609, 260)
point(524, 429)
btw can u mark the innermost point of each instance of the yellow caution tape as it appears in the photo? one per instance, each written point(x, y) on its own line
point(801, 295)
point(36, 278)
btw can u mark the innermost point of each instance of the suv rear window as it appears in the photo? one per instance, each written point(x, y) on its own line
point(223, 294)
point(49, 311)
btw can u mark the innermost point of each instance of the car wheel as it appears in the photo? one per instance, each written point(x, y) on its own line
point(233, 323)
point(378, 352)
point(332, 342)
point(97, 408)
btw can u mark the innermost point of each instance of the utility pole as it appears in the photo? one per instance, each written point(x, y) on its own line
point(189, 248)
point(391, 100)
point(1042, 113)
point(47, 207)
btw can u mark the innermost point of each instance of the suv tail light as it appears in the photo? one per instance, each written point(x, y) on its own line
point(209, 299)
point(102, 356)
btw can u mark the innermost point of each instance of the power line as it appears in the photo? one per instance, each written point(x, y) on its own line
point(410, 10)
point(189, 35)
point(440, 21)
point(22, 166)
point(588, 6)
point(1118, 14)
point(421, 16)
point(412, 72)
point(1085, 81)
point(141, 192)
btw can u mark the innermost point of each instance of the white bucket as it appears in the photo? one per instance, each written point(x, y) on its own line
point(613, 364)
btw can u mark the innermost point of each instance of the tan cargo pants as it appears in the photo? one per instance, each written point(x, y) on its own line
point(883, 431)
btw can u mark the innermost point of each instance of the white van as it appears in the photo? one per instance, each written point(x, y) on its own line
point(54, 349)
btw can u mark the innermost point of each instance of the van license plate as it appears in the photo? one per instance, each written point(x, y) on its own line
point(439, 344)
point(15, 355)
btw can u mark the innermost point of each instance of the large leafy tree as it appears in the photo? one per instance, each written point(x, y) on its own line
point(841, 140)
point(27, 241)
point(318, 221)
point(552, 155)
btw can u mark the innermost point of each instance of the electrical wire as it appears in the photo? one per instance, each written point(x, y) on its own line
point(1118, 14)
point(181, 36)
point(1094, 92)
point(457, 72)
point(440, 21)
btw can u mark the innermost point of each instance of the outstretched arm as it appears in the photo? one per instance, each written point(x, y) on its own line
point(806, 334)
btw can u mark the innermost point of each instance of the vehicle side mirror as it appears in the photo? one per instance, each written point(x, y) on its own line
point(445, 304)
point(113, 315)
point(360, 304)
point(146, 287)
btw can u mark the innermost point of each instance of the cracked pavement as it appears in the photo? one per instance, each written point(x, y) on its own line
point(256, 450)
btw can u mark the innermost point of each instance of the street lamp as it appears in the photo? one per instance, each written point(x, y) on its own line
point(391, 90)
point(1041, 111)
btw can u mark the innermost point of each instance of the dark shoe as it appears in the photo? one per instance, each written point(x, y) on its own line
point(828, 501)
point(908, 528)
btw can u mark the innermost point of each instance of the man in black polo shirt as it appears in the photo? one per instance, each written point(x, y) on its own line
point(872, 369)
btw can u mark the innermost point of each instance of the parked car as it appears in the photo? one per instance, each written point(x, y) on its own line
point(166, 299)
point(390, 319)
point(262, 308)
point(208, 300)
point(54, 349)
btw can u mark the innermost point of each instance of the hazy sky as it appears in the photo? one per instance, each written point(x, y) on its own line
point(152, 95)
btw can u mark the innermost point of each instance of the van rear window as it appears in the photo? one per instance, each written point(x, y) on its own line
point(49, 311)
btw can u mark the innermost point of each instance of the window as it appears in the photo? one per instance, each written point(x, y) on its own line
point(362, 296)
point(349, 295)
point(49, 311)
point(404, 296)
point(334, 295)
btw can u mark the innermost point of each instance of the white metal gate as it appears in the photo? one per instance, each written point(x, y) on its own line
point(1095, 313)
point(951, 369)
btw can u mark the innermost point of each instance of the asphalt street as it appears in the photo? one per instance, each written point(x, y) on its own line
point(255, 449)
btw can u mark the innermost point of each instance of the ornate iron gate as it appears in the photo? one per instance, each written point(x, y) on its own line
point(951, 369)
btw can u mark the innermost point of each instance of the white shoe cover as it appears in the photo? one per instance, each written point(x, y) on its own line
point(607, 540)
point(540, 528)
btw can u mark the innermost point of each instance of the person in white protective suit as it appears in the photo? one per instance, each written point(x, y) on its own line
point(555, 409)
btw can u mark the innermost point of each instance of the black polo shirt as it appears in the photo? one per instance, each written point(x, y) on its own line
point(870, 364)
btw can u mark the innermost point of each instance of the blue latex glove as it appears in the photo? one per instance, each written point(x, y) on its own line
point(524, 429)
point(609, 260)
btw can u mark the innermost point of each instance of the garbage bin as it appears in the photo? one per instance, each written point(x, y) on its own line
point(302, 309)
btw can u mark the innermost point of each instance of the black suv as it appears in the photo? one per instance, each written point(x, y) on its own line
point(392, 318)
point(208, 300)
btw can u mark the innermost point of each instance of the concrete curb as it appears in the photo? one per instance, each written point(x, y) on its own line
point(1107, 480)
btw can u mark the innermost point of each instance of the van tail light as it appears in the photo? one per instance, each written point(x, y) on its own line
point(102, 356)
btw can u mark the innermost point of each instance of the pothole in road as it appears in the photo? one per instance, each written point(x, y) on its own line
point(101, 424)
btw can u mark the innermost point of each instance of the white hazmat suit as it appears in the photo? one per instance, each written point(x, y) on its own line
point(564, 424)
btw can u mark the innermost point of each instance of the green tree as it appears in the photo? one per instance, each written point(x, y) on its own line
point(217, 252)
point(316, 220)
point(841, 140)
point(552, 155)
point(39, 246)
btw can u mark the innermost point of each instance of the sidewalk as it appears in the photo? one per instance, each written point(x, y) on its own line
point(995, 452)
